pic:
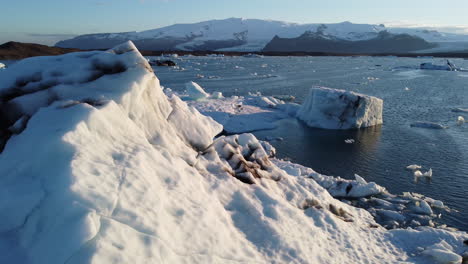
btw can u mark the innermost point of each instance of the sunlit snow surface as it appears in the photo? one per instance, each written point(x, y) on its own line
point(108, 169)
point(380, 154)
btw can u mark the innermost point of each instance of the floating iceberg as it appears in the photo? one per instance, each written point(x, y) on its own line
point(2, 66)
point(340, 109)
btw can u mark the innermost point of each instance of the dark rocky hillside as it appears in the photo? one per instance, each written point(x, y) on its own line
point(17, 50)
point(384, 42)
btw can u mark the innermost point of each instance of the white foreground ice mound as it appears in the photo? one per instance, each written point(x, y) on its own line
point(340, 109)
point(101, 167)
point(2, 66)
point(195, 91)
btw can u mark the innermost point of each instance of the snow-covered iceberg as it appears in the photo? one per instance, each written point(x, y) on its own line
point(339, 109)
point(103, 167)
point(195, 91)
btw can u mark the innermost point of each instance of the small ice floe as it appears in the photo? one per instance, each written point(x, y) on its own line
point(460, 110)
point(460, 120)
point(2, 66)
point(413, 167)
point(418, 174)
point(372, 78)
point(407, 89)
point(430, 125)
point(195, 91)
point(349, 141)
point(428, 173)
point(238, 67)
point(200, 76)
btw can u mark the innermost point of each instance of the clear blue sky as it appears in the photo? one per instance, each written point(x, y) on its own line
point(46, 21)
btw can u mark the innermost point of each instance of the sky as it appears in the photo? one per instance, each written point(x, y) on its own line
point(47, 21)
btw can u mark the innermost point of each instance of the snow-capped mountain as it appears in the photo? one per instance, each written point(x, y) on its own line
point(242, 35)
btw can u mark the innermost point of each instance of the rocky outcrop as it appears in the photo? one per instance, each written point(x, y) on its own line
point(384, 42)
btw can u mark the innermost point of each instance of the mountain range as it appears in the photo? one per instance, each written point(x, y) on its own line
point(237, 34)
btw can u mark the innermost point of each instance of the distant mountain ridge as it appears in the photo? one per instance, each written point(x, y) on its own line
point(384, 42)
point(237, 34)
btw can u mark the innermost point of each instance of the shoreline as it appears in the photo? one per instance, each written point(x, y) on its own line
point(17, 50)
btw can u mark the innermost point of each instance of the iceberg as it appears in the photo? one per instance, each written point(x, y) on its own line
point(413, 167)
point(195, 91)
point(2, 66)
point(100, 166)
point(339, 109)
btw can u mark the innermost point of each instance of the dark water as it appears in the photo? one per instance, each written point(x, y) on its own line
point(381, 153)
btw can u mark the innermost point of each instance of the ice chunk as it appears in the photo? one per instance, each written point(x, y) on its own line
point(421, 207)
point(428, 125)
point(340, 109)
point(413, 167)
point(349, 141)
point(460, 120)
point(2, 66)
point(428, 173)
point(417, 173)
point(195, 91)
point(360, 179)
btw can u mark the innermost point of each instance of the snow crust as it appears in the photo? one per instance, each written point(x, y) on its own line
point(103, 167)
point(339, 109)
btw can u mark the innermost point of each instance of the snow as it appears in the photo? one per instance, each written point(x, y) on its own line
point(111, 170)
point(195, 91)
point(430, 125)
point(339, 109)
